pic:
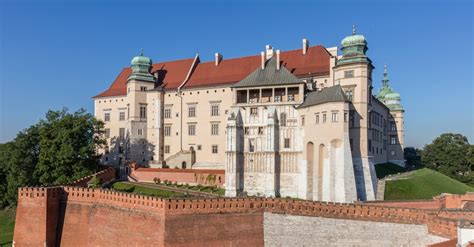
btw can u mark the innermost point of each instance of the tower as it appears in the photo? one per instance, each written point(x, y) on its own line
point(353, 71)
point(392, 100)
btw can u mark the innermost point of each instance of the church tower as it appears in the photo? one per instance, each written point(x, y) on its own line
point(353, 72)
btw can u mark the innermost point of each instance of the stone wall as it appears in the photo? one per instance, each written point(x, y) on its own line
point(290, 230)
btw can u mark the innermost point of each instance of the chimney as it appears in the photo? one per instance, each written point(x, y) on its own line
point(269, 51)
point(305, 46)
point(218, 58)
point(262, 54)
point(278, 59)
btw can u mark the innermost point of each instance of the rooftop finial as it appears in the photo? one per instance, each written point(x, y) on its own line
point(141, 52)
point(385, 69)
point(385, 76)
point(353, 29)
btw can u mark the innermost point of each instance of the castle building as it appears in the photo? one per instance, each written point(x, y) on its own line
point(302, 123)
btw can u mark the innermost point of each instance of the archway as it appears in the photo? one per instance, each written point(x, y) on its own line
point(183, 165)
point(310, 170)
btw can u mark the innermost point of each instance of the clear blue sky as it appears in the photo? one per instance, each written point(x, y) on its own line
point(56, 54)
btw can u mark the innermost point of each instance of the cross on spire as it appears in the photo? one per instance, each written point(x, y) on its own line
point(141, 52)
point(385, 76)
point(353, 29)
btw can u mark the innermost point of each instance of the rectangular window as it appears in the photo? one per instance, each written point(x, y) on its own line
point(192, 111)
point(334, 117)
point(192, 129)
point(254, 111)
point(351, 119)
point(167, 113)
point(167, 149)
point(384, 144)
point(260, 130)
point(348, 73)
point(393, 140)
point(120, 150)
point(215, 129)
point(199, 147)
point(214, 149)
point(122, 116)
point(122, 132)
point(214, 110)
point(317, 118)
point(324, 117)
point(107, 133)
point(393, 126)
point(393, 153)
point(287, 142)
point(143, 111)
point(302, 120)
point(370, 146)
point(251, 145)
point(142, 89)
point(107, 117)
point(140, 132)
point(346, 116)
point(167, 131)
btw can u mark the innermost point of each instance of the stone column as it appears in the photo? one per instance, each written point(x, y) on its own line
point(234, 159)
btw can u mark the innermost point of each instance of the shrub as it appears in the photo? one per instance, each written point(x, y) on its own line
point(95, 182)
point(157, 180)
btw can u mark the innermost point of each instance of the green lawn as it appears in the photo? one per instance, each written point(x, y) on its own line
point(423, 184)
point(146, 191)
point(7, 221)
point(386, 169)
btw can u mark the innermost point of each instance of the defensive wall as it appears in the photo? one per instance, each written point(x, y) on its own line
point(181, 176)
point(105, 176)
point(74, 216)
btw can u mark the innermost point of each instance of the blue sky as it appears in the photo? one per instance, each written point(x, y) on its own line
point(56, 54)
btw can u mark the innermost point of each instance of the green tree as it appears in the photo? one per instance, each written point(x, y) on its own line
point(413, 157)
point(95, 182)
point(68, 146)
point(452, 155)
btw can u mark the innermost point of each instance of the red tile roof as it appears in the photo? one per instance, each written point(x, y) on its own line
point(172, 74)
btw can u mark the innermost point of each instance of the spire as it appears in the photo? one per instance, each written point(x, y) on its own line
point(141, 52)
point(353, 30)
point(385, 76)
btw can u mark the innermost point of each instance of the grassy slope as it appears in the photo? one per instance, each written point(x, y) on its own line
point(386, 169)
point(146, 191)
point(7, 221)
point(423, 184)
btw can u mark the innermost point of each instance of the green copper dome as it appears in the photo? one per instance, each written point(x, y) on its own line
point(387, 95)
point(392, 96)
point(355, 39)
point(141, 66)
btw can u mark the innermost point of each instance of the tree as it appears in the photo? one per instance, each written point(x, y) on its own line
point(452, 155)
point(95, 182)
point(413, 157)
point(57, 150)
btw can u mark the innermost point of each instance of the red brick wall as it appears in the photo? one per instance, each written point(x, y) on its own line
point(87, 217)
point(420, 204)
point(178, 175)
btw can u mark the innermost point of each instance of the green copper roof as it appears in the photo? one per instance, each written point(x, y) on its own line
point(329, 94)
point(141, 66)
point(269, 76)
point(387, 95)
point(354, 49)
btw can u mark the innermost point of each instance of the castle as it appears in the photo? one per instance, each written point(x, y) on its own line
point(302, 123)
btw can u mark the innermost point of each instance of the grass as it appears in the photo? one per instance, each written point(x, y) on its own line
point(7, 222)
point(386, 169)
point(137, 189)
point(423, 184)
point(208, 189)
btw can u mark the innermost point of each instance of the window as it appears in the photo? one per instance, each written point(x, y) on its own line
point(192, 129)
point(384, 144)
point(282, 119)
point(349, 94)
point(122, 132)
point(140, 132)
point(287, 142)
point(351, 119)
point(167, 149)
point(120, 150)
point(393, 140)
point(199, 147)
point(122, 116)
point(107, 117)
point(348, 73)
point(324, 117)
point(260, 130)
point(334, 117)
point(370, 146)
point(346, 116)
point(142, 89)
point(302, 120)
point(251, 145)
point(214, 110)
point(393, 126)
point(167, 113)
point(392, 152)
point(143, 111)
point(253, 111)
point(107, 133)
point(192, 111)
point(214, 149)
point(167, 131)
point(351, 143)
point(215, 129)
point(317, 118)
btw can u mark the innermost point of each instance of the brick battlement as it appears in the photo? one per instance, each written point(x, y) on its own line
point(105, 175)
point(440, 221)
